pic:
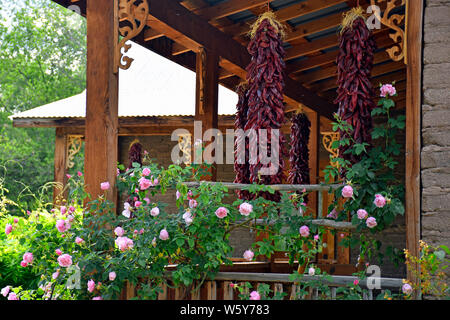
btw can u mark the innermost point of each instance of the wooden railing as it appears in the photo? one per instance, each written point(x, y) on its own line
point(220, 289)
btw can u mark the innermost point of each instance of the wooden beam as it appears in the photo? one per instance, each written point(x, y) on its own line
point(413, 130)
point(59, 161)
point(207, 96)
point(101, 146)
point(284, 14)
point(194, 32)
point(229, 7)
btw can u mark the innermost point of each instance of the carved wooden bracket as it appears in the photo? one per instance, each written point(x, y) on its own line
point(74, 144)
point(130, 20)
point(184, 143)
point(393, 21)
point(327, 140)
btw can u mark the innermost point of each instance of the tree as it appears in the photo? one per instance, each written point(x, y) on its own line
point(42, 59)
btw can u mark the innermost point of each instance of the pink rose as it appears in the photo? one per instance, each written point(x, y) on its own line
point(58, 252)
point(192, 203)
point(71, 209)
point(147, 200)
point(23, 263)
point(5, 291)
point(347, 192)
point(155, 211)
point(146, 172)
point(70, 218)
point(105, 185)
point(12, 296)
point(371, 222)
point(79, 173)
point(189, 195)
point(156, 181)
point(187, 216)
point(245, 208)
point(63, 210)
point(91, 285)
point(356, 282)
point(387, 90)
point(28, 257)
point(248, 255)
point(379, 201)
point(16, 220)
point(79, 240)
point(221, 212)
point(97, 298)
point(55, 275)
point(177, 194)
point(65, 260)
point(119, 231)
point(141, 231)
point(144, 183)
point(112, 276)
point(311, 271)
point(124, 243)
point(164, 235)
point(407, 289)
point(304, 231)
point(8, 228)
point(316, 237)
point(68, 176)
point(137, 204)
point(362, 214)
point(254, 295)
point(62, 225)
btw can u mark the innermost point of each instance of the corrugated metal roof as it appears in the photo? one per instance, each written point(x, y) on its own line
point(152, 86)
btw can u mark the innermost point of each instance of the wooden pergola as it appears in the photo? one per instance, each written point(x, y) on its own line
point(209, 37)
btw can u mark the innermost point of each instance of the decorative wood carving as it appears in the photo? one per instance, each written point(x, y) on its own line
point(327, 140)
point(74, 144)
point(184, 143)
point(393, 21)
point(131, 20)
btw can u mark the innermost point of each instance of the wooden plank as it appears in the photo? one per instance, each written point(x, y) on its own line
point(184, 27)
point(229, 7)
point(413, 130)
point(211, 290)
point(228, 291)
point(290, 12)
point(313, 146)
point(101, 146)
point(60, 162)
point(163, 295)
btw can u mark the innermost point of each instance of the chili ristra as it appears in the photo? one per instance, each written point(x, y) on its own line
point(299, 153)
point(265, 97)
point(355, 93)
point(242, 170)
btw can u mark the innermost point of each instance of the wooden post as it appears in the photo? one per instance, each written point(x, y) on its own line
point(313, 146)
point(207, 93)
point(60, 162)
point(101, 131)
point(413, 128)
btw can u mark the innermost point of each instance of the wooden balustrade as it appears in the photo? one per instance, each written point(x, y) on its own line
point(220, 289)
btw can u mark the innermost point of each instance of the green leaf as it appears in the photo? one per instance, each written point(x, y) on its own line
point(179, 242)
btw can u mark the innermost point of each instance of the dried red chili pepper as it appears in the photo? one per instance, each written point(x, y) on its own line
point(299, 153)
point(265, 95)
point(241, 145)
point(355, 92)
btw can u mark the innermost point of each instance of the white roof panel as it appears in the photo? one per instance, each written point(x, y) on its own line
point(152, 86)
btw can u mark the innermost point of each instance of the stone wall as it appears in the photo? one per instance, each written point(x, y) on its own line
point(435, 156)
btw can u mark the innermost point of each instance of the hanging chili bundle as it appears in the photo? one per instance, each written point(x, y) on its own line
point(265, 97)
point(355, 91)
point(299, 153)
point(241, 164)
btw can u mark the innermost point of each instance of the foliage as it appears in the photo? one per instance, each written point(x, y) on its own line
point(429, 269)
point(42, 59)
point(373, 175)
